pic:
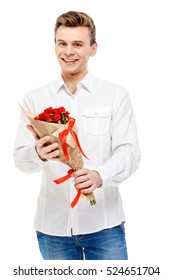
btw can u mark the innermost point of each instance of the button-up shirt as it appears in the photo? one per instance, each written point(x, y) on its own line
point(107, 135)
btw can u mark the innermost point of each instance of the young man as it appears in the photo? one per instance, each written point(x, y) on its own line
point(107, 133)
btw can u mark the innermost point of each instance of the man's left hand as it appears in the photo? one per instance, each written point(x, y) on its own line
point(87, 180)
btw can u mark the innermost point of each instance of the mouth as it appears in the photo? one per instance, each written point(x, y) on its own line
point(69, 61)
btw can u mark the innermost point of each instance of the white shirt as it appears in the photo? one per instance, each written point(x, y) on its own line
point(107, 134)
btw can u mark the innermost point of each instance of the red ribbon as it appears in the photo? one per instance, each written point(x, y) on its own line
point(76, 199)
point(63, 137)
point(63, 179)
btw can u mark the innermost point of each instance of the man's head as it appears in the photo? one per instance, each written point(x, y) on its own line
point(74, 19)
point(74, 42)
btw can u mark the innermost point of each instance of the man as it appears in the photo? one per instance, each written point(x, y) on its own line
point(107, 133)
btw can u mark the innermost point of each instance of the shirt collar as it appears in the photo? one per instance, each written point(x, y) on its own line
point(60, 83)
point(86, 82)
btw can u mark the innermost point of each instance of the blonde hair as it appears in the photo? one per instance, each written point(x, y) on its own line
point(74, 19)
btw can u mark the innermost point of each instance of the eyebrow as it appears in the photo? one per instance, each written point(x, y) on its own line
point(76, 41)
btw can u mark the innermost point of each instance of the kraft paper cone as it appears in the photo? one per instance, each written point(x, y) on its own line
point(53, 130)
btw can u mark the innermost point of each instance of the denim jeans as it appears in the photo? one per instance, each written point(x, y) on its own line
point(107, 244)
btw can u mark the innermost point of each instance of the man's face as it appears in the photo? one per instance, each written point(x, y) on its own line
point(73, 49)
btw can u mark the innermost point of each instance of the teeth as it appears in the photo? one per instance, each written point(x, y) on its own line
point(69, 60)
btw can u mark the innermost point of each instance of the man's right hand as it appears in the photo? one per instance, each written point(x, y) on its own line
point(44, 150)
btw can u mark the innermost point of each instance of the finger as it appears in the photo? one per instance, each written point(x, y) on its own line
point(81, 179)
point(84, 185)
point(50, 148)
point(88, 190)
point(52, 155)
point(81, 172)
point(32, 130)
point(49, 152)
point(41, 142)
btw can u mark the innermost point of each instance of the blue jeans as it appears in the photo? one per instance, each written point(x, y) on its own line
point(107, 244)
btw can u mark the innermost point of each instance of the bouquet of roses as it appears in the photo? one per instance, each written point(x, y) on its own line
point(57, 123)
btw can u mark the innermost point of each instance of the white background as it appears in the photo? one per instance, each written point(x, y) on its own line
point(136, 51)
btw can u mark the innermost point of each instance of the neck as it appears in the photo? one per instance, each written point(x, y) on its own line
point(71, 80)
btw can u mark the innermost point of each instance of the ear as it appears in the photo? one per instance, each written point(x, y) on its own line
point(93, 49)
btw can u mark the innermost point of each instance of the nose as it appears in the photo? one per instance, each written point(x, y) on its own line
point(69, 50)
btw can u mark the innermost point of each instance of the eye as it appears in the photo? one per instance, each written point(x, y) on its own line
point(61, 44)
point(78, 45)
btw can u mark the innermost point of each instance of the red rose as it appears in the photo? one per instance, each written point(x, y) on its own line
point(54, 115)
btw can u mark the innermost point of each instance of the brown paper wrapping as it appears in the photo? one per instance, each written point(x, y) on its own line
point(53, 130)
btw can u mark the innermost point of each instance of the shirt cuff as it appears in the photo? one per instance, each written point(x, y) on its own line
point(106, 178)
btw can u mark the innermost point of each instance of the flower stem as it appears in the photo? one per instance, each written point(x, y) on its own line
point(92, 202)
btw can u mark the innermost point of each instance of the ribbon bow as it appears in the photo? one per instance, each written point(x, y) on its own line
point(63, 137)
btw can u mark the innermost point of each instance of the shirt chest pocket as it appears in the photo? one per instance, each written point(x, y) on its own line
point(96, 120)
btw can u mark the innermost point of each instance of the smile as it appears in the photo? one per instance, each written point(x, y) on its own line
point(69, 61)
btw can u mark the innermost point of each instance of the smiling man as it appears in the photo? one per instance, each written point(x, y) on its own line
point(107, 133)
point(74, 47)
